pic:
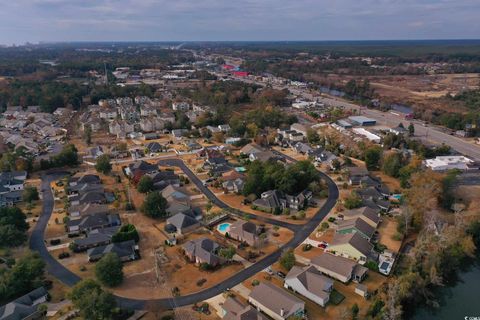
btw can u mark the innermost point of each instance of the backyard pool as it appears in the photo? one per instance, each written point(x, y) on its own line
point(224, 227)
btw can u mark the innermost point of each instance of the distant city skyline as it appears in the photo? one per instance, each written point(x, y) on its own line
point(243, 20)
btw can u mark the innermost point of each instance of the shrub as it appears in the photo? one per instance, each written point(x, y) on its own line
point(255, 283)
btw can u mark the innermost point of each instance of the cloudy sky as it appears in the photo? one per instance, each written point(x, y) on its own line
point(157, 20)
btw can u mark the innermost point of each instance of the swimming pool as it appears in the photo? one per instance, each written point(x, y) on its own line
point(224, 227)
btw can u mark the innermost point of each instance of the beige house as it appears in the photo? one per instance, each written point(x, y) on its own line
point(244, 231)
point(276, 302)
point(351, 246)
point(339, 268)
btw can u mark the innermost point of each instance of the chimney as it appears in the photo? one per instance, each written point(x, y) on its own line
point(282, 312)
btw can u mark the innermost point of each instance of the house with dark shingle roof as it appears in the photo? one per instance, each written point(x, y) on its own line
point(126, 251)
point(276, 302)
point(95, 238)
point(85, 179)
point(92, 222)
point(310, 283)
point(244, 231)
point(182, 223)
point(203, 250)
point(162, 179)
point(356, 225)
point(369, 215)
point(25, 307)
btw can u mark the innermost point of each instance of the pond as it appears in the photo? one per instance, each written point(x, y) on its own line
point(458, 301)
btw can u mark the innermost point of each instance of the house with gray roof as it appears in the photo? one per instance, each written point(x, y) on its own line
point(369, 215)
point(95, 238)
point(126, 251)
point(85, 179)
point(92, 222)
point(203, 250)
point(86, 209)
point(339, 268)
point(25, 307)
point(356, 225)
point(245, 231)
point(352, 246)
point(182, 223)
point(310, 283)
point(234, 309)
point(276, 302)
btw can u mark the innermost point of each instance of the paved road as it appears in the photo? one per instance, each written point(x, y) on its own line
point(37, 240)
point(301, 232)
point(432, 134)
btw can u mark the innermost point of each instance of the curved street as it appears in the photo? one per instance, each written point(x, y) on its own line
point(301, 232)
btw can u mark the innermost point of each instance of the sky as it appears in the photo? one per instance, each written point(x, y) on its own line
point(230, 20)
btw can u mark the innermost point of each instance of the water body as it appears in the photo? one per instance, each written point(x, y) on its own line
point(459, 301)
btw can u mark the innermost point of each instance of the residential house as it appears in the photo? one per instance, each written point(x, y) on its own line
point(25, 307)
point(180, 106)
point(276, 200)
point(300, 128)
point(86, 210)
point(108, 113)
point(154, 148)
point(264, 156)
point(245, 231)
point(162, 179)
point(234, 309)
point(13, 180)
point(369, 215)
point(355, 174)
point(126, 251)
point(173, 193)
point(357, 225)
point(95, 238)
point(92, 222)
point(179, 133)
point(182, 223)
point(148, 110)
point(151, 124)
point(235, 186)
point(95, 196)
point(120, 128)
point(302, 148)
point(203, 250)
point(251, 148)
point(140, 168)
point(276, 302)
point(339, 268)
point(85, 179)
point(352, 246)
point(310, 283)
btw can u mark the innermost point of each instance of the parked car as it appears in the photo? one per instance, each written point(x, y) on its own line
point(63, 255)
point(281, 274)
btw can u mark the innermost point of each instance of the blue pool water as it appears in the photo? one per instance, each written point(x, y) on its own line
point(224, 227)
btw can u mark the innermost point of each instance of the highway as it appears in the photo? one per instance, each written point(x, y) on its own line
point(431, 134)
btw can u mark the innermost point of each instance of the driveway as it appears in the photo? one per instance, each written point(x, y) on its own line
point(301, 232)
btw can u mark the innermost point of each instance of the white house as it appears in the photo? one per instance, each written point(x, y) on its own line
point(310, 283)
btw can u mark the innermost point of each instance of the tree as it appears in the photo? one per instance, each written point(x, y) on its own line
point(87, 135)
point(27, 274)
point(103, 164)
point(227, 253)
point(145, 184)
point(372, 157)
point(355, 310)
point(411, 130)
point(92, 301)
point(392, 163)
point(312, 136)
point(154, 205)
point(352, 201)
point(287, 259)
point(30, 194)
point(109, 270)
point(13, 227)
point(125, 233)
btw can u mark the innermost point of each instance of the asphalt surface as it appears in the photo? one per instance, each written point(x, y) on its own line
point(301, 232)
